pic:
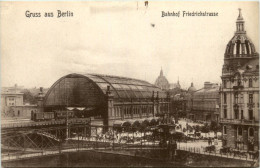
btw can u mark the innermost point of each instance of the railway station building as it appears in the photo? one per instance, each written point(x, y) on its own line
point(110, 99)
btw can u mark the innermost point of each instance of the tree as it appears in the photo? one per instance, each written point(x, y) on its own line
point(28, 97)
point(205, 128)
point(214, 126)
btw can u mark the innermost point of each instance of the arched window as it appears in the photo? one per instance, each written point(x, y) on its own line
point(239, 131)
point(224, 129)
point(238, 82)
point(250, 83)
point(247, 47)
point(251, 131)
point(238, 48)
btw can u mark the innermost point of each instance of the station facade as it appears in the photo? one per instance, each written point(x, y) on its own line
point(107, 98)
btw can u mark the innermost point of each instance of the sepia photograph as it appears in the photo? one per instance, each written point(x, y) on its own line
point(129, 83)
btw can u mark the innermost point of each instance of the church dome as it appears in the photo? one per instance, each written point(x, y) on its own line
point(240, 46)
point(192, 88)
point(162, 82)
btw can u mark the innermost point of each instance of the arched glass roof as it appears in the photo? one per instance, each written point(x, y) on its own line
point(126, 88)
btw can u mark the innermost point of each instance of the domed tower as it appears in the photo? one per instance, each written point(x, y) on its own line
point(240, 48)
point(162, 82)
point(239, 94)
point(191, 89)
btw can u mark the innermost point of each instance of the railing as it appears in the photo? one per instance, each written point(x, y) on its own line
point(235, 155)
point(239, 121)
point(40, 123)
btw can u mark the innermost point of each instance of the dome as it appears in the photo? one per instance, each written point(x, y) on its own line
point(240, 46)
point(162, 82)
point(192, 88)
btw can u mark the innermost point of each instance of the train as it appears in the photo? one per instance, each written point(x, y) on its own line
point(56, 115)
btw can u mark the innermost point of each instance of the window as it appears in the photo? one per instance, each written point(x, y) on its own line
point(250, 83)
point(236, 113)
point(224, 142)
point(225, 113)
point(251, 131)
point(251, 116)
point(239, 131)
point(241, 98)
point(236, 98)
point(239, 82)
point(224, 129)
point(225, 98)
point(224, 84)
point(250, 98)
point(242, 114)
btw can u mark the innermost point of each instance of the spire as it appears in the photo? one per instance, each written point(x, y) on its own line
point(161, 73)
point(240, 17)
point(240, 22)
point(191, 84)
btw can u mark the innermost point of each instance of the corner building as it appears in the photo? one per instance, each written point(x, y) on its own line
point(240, 92)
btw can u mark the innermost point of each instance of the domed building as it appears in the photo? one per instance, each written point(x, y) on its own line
point(240, 48)
point(240, 92)
point(191, 89)
point(162, 82)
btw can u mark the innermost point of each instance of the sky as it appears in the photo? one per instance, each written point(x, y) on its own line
point(117, 38)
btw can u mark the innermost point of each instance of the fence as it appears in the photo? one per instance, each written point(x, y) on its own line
point(205, 151)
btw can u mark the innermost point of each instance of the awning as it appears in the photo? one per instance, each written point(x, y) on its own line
point(119, 122)
point(75, 108)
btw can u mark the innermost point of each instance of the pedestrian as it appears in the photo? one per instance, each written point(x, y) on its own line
point(209, 141)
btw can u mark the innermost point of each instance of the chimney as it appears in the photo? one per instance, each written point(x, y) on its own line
point(40, 100)
point(208, 85)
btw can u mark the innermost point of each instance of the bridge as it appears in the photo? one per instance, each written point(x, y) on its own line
point(28, 139)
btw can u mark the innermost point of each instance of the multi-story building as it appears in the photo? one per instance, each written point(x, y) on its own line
point(12, 104)
point(240, 92)
point(204, 103)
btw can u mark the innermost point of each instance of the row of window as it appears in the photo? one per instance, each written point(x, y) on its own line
point(134, 110)
point(239, 100)
point(240, 131)
point(236, 114)
point(239, 83)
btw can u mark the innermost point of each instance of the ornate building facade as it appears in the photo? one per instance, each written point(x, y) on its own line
point(203, 104)
point(240, 92)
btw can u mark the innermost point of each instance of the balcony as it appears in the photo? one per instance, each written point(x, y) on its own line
point(239, 121)
point(250, 105)
point(238, 87)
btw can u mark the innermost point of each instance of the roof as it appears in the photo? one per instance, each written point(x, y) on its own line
point(11, 93)
point(252, 65)
point(123, 87)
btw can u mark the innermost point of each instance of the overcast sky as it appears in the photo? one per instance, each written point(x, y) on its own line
point(117, 38)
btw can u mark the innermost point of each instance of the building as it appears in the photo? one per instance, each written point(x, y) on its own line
point(12, 105)
point(240, 92)
point(204, 103)
point(162, 82)
point(110, 99)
